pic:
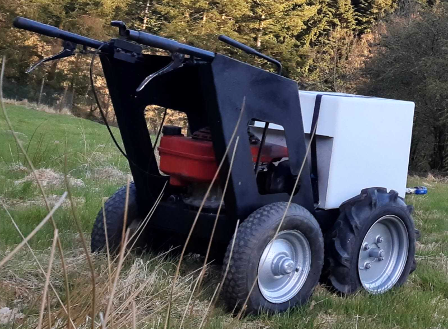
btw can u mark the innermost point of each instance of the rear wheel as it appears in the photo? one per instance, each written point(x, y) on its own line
point(372, 244)
point(383, 254)
point(285, 270)
point(114, 209)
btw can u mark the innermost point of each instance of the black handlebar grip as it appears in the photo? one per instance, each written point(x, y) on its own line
point(250, 51)
point(237, 44)
point(30, 25)
point(168, 44)
point(51, 31)
point(153, 40)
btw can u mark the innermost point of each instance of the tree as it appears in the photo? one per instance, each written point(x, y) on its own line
point(369, 11)
point(410, 63)
point(314, 39)
point(328, 39)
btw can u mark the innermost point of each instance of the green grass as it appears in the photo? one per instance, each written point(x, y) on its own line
point(47, 138)
point(421, 303)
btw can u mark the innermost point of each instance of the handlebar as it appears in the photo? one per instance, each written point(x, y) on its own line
point(168, 44)
point(250, 51)
point(140, 37)
point(51, 31)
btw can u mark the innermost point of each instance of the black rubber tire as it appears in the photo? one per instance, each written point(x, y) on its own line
point(344, 241)
point(252, 237)
point(114, 209)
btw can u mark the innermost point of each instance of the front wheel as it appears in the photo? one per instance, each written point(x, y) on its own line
point(278, 274)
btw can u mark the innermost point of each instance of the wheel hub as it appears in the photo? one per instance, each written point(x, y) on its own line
point(284, 266)
point(383, 254)
point(376, 253)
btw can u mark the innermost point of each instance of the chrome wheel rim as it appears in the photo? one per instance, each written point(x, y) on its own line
point(284, 266)
point(383, 254)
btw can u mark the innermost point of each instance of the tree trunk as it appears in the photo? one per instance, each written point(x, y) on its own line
point(260, 31)
point(41, 90)
point(145, 17)
point(204, 20)
point(63, 98)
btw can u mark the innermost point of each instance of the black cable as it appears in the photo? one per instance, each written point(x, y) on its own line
point(103, 116)
point(160, 130)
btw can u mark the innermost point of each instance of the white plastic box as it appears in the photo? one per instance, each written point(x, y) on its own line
point(361, 142)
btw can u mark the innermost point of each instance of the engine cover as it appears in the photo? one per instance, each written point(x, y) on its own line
point(189, 160)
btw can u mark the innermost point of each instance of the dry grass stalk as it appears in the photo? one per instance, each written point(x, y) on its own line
point(141, 228)
point(103, 324)
point(47, 281)
point(204, 267)
point(241, 312)
point(201, 276)
point(38, 263)
point(126, 205)
point(209, 306)
point(138, 232)
point(33, 232)
point(61, 253)
point(147, 297)
point(200, 209)
point(107, 243)
point(188, 303)
point(117, 275)
point(134, 315)
point(49, 310)
point(140, 289)
point(228, 263)
point(83, 241)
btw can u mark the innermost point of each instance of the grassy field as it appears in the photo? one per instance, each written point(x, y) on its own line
point(93, 163)
point(96, 170)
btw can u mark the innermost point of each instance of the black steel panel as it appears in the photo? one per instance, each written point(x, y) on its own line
point(211, 95)
point(269, 97)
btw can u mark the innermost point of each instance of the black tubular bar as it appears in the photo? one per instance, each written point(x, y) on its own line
point(168, 44)
point(51, 31)
point(250, 51)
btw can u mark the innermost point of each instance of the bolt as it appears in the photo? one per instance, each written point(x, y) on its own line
point(379, 239)
point(376, 253)
point(288, 266)
point(283, 265)
point(173, 198)
point(365, 246)
point(298, 269)
point(367, 265)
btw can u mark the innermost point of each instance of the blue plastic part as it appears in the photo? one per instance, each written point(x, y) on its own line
point(421, 190)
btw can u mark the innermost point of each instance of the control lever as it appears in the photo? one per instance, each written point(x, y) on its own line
point(250, 51)
point(177, 62)
point(121, 27)
point(69, 50)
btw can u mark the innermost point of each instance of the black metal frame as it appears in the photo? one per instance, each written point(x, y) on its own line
point(210, 89)
point(211, 94)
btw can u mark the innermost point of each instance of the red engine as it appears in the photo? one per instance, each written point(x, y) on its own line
point(192, 159)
